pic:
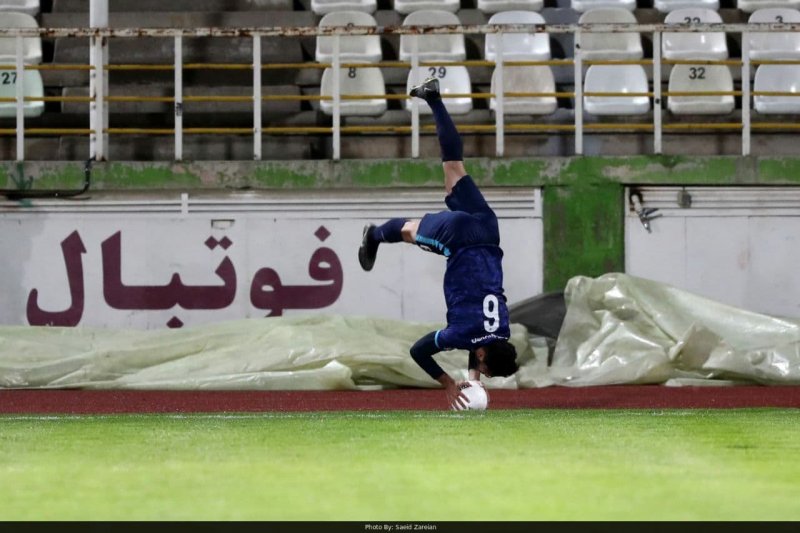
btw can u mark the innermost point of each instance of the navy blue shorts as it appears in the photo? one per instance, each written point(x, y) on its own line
point(469, 222)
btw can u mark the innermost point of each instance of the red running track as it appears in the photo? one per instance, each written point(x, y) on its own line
point(23, 401)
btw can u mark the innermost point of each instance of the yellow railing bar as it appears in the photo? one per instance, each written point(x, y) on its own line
point(539, 127)
point(617, 61)
point(48, 131)
point(299, 129)
point(49, 66)
point(218, 66)
point(140, 67)
point(143, 131)
point(611, 126)
point(703, 125)
point(774, 125)
point(774, 62)
point(608, 94)
point(701, 93)
point(140, 99)
point(774, 93)
point(220, 98)
point(729, 62)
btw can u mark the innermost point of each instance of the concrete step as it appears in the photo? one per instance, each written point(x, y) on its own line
point(195, 147)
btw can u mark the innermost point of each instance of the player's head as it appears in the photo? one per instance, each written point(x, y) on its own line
point(498, 358)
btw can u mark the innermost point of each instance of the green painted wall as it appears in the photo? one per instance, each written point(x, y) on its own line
point(583, 232)
point(583, 196)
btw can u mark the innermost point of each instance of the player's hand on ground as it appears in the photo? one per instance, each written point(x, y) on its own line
point(455, 398)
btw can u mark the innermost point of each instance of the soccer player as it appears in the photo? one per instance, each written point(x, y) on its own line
point(468, 236)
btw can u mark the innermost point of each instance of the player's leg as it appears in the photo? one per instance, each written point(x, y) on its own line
point(393, 230)
point(450, 142)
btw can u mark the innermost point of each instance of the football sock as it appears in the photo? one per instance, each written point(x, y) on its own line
point(449, 138)
point(389, 231)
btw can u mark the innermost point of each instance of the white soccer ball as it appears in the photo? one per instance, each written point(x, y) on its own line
point(477, 397)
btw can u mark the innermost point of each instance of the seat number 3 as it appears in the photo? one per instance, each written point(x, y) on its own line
point(491, 310)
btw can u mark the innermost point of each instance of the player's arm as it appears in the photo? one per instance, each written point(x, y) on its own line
point(474, 373)
point(422, 352)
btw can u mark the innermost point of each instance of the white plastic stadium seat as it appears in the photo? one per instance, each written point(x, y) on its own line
point(452, 80)
point(354, 81)
point(585, 5)
point(449, 47)
point(517, 46)
point(667, 6)
point(686, 78)
point(538, 79)
point(775, 45)
point(31, 46)
point(8, 89)
point(616, 79)
point(29, 7)
point(610, 45)
point(777, 78)
point(323, 7)
point(496, 6)
point(409, 6)
point(691, 45)
point(351, 48)
point(748, 6)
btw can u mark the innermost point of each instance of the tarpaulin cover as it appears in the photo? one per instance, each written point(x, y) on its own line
point(623, 329)
point(317, 352)
point(618, 329)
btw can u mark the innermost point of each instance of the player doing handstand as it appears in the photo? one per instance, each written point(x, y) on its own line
point(467, 235)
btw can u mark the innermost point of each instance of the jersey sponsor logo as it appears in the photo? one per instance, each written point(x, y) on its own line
point(488, 337)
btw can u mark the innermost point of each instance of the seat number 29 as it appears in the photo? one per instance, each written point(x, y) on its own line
point(491, 310)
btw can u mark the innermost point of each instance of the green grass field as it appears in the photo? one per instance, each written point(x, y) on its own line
point(526, 465)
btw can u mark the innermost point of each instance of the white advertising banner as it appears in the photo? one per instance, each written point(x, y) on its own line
point(153, 262)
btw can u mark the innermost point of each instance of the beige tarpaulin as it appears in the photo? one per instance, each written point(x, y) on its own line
point(618, 329)
point(284, 353)
point(623, 329)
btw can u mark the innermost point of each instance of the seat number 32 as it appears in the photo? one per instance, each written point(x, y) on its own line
point(491, 310)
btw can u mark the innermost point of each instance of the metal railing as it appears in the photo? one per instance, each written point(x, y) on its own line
point(99, 69)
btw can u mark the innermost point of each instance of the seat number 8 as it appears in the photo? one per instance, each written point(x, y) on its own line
point(491, 310)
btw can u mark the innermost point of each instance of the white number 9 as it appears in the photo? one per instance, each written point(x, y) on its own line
point(491, 310)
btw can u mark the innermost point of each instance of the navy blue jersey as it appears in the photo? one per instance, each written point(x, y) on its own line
point(469, 237)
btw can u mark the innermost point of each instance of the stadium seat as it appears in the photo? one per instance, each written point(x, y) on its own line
point(323, 7)
point(538, 79)
point(452, 80)
point(33, 88)
point(667, 6)
point(352, 48)
point(777, 78)
point(31, 46)
point(496, 6)
point(432, 47)
point(355, 81)
point(585, 5)
point(616, 79)
point(749, 6)
point(405, 7)
point(518, 46)
point(610, 45)
point(691, 45)
point(775, 45)
point(29, 7)
point(687, 78)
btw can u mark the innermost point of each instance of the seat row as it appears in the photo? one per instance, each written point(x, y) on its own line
point(323, 7)
point(536, 46)
point(525, 89)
